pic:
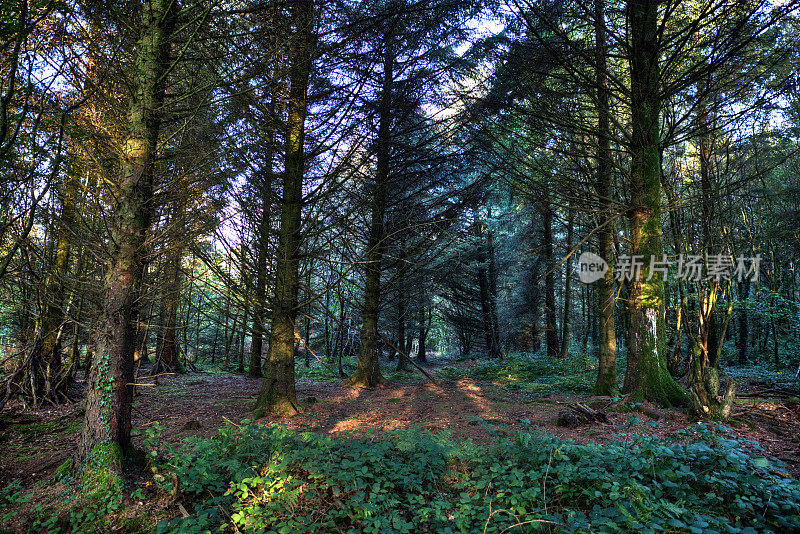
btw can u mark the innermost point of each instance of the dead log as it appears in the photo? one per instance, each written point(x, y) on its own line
point(579, 414)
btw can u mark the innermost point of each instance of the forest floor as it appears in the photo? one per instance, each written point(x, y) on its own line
point(34, 443)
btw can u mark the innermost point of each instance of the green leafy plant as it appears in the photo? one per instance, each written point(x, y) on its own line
point(259, 478)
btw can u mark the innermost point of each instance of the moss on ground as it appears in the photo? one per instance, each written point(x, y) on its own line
point(101, 477)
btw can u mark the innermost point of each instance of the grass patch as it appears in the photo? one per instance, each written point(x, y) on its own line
point(765, 374)
point(58, 426)
point(536, 373)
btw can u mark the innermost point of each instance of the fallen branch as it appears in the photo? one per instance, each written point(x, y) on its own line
point(391, 346)
point(408, 359)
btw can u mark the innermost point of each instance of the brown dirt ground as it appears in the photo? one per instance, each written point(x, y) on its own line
point(34, 443)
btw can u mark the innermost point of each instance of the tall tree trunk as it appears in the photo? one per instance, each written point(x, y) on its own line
point(142, 322)
point(551, 327)
point(167, 359)
point(704, 382)
point(368, 373)
point(106, 434)
point(214, 343)
point(566, 321)
point(245, 281)
point(646, 376)
point(587, 330)
point(168, 354)
point(495, 352)
point(198, 326)
point(188, 315)
point(606, 383)
point(307, 317)
point(278, 388)
point(326, 327)
point(484, 285)
point(424, 327)
point(401, 328)
point(744, 293)
point(536, 308)
point(228, 333)
point(260, 297)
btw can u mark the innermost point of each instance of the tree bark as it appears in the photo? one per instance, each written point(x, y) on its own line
point(106, 434)
point(260, 297)
point(278, 387)
point(551, 327)
point(606, 383)
point(566, 320)
point(424, 327)
point(167, 359)
point(646, 376)
point(368, 373)
point(401, 328)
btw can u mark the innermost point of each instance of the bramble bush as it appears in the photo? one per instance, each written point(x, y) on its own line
point(262, 479)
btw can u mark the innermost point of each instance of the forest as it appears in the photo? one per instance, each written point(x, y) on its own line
point(399, 266)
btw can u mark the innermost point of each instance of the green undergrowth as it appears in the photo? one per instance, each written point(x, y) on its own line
point(765, 375)
point(537, 373)
point(318, 371)
point(80, 506)
point(258, 478)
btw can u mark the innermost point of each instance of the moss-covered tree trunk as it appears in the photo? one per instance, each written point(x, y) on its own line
point(607, 343)
point(647, 376)
point(368, 373)
point(106, 433)
point(707, 399)
point(278, 388)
